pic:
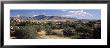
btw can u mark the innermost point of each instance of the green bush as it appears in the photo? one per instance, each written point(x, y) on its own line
point(26, 32)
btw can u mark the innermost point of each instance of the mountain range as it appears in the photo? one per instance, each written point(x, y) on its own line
point(42, 17)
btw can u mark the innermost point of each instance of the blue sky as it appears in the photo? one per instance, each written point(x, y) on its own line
point(75, 13)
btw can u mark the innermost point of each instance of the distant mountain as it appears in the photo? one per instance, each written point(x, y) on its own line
point(43, 17)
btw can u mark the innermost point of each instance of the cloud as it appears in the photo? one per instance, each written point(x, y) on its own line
point(80, 13)
point(64, 10)
point(71, 11)
point(18, 15)
point(35, 15)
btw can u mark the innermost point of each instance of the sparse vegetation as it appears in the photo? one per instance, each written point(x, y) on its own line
point(68, 29)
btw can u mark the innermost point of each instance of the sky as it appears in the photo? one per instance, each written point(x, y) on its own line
point(74, 13)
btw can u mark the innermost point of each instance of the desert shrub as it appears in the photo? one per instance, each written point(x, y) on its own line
point(48, 29)
point(97, 33)
point(58, 32)
point(12, 23)
point(68, 31)
point(26, 32)
point(84, 30)
point(20, 24)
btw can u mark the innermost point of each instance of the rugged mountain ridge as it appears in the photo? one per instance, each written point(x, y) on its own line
point(43, 17)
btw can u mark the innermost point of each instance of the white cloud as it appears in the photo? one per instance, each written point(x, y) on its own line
point(64, 10)
point(35, 15)
point(71, 11)
point(80, 13)
point(18, 15)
